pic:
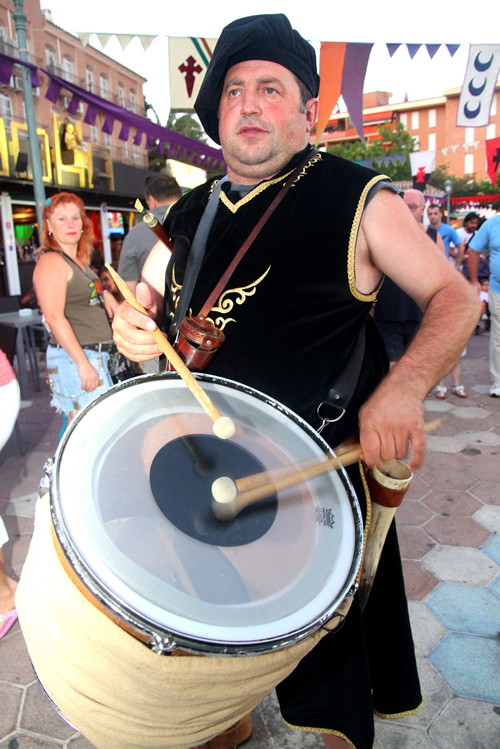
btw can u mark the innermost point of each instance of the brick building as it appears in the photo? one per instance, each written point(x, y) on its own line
point(432, 124)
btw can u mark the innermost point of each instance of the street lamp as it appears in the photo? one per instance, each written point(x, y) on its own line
point(448, 186)
point(36, 161)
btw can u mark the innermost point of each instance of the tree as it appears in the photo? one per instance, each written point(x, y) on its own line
point(391, 142)
point(463, 186)
point(187, 125)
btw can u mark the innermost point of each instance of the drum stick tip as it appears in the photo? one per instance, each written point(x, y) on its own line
point(224, 492)
point(224, 427)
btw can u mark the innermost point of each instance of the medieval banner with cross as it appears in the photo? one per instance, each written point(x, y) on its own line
point(189, 58)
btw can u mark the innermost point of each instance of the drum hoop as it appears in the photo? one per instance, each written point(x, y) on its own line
point(165, 641)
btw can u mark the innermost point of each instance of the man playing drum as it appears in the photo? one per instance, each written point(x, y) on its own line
point(292, 312)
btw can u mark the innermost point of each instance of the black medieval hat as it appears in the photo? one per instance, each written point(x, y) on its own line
point(264, 37)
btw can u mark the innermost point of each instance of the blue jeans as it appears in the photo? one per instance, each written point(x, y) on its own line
point(65, 383)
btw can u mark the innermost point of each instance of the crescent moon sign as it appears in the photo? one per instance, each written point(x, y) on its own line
point(476, 91)
point(482, 66)
point(471, 115)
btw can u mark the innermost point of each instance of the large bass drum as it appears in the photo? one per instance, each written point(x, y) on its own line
point(133, 542)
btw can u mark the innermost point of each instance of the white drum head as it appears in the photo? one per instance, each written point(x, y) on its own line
point(131, 508)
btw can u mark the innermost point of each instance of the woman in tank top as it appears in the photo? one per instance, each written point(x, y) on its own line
point(70, 296)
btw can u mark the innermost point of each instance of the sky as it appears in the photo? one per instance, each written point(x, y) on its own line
point(419, 78)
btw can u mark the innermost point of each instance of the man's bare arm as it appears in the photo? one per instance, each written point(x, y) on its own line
point(460, 254)
point(473, 268)
point(390, 240)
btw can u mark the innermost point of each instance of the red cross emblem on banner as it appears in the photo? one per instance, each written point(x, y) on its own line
point(420, 174)
point(190, 67)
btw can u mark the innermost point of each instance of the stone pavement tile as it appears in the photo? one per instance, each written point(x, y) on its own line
point(489, 517)
point(271, 731)
point(488, 468)
point(469, 665)
point(413, 512)
point(28, 741)
point(19, 551)
point(414, 543)
point(21, 486)
point(418, 581)
point(470, 412)
point(38, 716)
point(15, 665)
point(441, 444)
point(18, 526)
point(437, 405)
point(446, 461)
point(452, 503)
point(472, 437)
point(391, 735)
point(10, 701)
point(495, 587)
point(453, 564)
point(426, 629)
point(80, 742)
point(492, 548)
point(466, 609)
point(457, 531)
point(436, 694)
point(418, 489)
point(449, 479)
point(23, 506)
point(467, 724)
point(486, 491)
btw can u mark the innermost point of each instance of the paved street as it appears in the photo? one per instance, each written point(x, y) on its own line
point(449, 528)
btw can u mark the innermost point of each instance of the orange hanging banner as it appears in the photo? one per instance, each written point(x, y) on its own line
point(331, 68)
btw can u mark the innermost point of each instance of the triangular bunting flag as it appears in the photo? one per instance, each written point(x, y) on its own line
point(454, 148)
point(444, 151)
point(124, 39)
point(353, 78)
point(146, 40)
point(104, 38)
point(493, 158)
point(413, 49)
point(422, 164)
point(452, 48)
point(84, 37)
point(476, 143)
point(331, 67)
point(432, 49)
point(392, 48)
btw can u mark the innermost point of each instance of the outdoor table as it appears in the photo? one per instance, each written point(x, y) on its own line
point(25, 344)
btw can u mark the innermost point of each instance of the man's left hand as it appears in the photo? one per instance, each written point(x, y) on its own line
point(392, 426)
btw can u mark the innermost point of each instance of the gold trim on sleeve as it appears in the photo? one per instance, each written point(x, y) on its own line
point(395, 716)
point(330, 731)
point(353, 238)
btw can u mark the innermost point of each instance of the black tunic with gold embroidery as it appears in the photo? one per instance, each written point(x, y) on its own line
point(292, 314)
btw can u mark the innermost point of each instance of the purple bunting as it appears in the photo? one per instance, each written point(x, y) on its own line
point(353, 77)
point(74, 104)
point(53, 91)
point(413, 49)
point(108, 125)
point(432, 49)
point(452, 48)
point(392, 48)
point(90, 115)
point(8, 60)
point(142, 125)
point(124, 132)
point(5, 72)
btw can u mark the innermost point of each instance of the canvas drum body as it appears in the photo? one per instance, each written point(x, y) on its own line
point(132, 563)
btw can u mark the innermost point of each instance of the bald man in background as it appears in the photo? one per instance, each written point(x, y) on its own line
point(398, 316)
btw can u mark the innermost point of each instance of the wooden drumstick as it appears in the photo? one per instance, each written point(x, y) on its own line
point(223, 426)
point(230, 497)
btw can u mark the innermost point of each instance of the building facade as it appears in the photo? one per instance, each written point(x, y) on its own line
point(431, 123)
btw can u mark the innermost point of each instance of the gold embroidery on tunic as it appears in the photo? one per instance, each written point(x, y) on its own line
point(225, 304)
point(353, 238)
point(175, 288)
point(311, 162)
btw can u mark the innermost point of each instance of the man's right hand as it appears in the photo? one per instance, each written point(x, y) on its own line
point(130, 328)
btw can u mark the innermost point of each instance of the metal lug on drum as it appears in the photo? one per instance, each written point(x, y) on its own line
point(162, 645)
